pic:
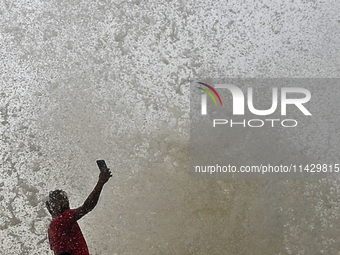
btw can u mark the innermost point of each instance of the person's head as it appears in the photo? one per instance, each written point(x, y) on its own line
point(57, 202)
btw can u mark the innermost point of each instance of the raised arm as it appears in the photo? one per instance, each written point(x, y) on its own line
point(93, 198)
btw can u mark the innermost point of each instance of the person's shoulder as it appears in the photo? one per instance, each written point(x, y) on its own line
point(69, 213)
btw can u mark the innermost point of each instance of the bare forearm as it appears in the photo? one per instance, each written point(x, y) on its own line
point(93, 198)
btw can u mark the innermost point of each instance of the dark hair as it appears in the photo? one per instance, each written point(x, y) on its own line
point(65, 253)
point(52, 197)
point(55, 193)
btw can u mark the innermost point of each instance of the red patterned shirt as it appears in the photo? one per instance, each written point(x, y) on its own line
point(64, 234)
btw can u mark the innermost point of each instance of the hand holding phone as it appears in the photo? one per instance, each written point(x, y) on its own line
point(102, 165)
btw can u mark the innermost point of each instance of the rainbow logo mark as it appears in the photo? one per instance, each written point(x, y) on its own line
point(208, 92)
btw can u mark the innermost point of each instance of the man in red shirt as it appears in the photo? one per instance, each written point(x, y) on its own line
point(64, 233)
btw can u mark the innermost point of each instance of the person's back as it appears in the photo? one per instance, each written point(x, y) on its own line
point(64, 233)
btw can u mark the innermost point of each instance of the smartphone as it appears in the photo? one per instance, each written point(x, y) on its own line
point(102, 165)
